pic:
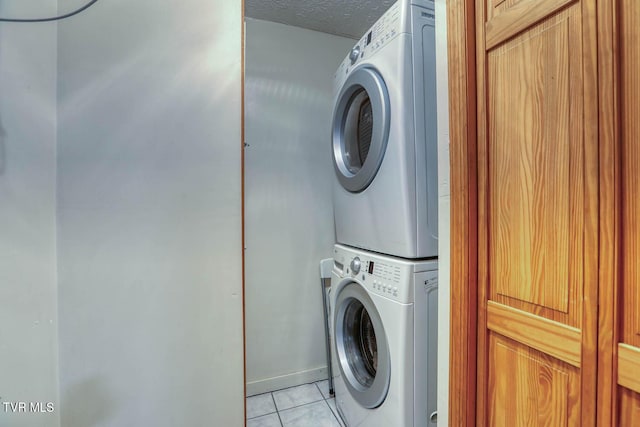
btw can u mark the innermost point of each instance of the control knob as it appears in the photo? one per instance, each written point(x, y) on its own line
point(355, 52)
point(355, 265)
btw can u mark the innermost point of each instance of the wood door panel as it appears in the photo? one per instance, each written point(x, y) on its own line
point(536, 186)
point(630, 122)
point(629, 413)
point(528, 388)
point(537, 212)
point(558, 148)
point(598, 305)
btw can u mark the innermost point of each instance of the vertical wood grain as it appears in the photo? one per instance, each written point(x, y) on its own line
point(630, 109)
point(628, 316)
point(482, 246)
point(629, 408)
point(462, 149)
point(591, 225)
point(609, 249)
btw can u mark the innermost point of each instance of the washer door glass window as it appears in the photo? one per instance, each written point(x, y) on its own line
point(361, 343)
point(360, 128)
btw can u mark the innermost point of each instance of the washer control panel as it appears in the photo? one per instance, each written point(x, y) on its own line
point(390, 277)
point(385, 278)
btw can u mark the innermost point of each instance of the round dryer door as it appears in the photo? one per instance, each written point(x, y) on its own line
point(360, 128)
point(361, 345)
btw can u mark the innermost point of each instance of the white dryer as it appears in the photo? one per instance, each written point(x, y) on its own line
point(384, 339)
point(384, 136)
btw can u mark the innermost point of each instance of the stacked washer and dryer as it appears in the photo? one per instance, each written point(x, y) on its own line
point(384, 279)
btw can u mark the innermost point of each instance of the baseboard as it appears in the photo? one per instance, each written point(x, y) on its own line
point(288, 380)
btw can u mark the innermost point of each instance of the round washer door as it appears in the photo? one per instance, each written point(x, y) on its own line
point(361, 344)
point(360, 129)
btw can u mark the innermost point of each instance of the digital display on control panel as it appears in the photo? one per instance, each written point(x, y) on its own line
point(368, 38)
point(370, 267)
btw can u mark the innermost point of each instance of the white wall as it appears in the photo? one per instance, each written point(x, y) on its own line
point(289, 213)
point(444, 197)
point(28, 314)
point(149, 214)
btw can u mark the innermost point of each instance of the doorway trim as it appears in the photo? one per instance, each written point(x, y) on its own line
point(461, 44)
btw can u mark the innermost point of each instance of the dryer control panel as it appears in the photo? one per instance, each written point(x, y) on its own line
point(396, 20)
point(383, 31)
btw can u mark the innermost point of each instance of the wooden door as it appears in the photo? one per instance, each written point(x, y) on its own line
point(626, 396)
point(537, 212)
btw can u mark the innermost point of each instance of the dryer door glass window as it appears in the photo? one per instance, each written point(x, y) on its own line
point(357, 131)
point(360, 129)
point(361, 345)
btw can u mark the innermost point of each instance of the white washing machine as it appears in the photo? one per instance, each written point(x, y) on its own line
point(384, 136)
point(384, 339)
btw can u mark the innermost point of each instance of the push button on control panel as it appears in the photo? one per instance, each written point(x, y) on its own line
point(385, 289)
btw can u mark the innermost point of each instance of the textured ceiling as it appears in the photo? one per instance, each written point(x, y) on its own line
point(339, 17)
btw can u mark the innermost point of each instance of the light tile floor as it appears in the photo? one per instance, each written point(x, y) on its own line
point(306, 405)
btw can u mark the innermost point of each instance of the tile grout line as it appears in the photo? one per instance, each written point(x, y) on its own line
point(337, 416)
point(326, 400)
point(318, 387)
point(265, 414)
point(313, 403)
point(332, 413)
point(302, 404)
point(277, 410)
